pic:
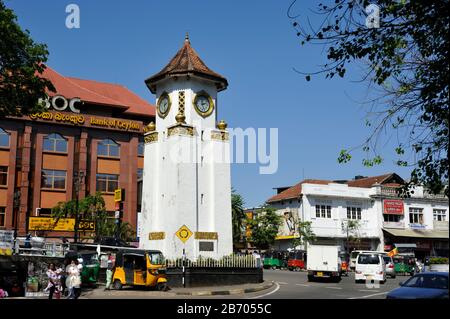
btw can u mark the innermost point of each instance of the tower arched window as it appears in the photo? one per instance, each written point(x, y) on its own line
point(108, 147)
point(4, 138)
point(55, 143)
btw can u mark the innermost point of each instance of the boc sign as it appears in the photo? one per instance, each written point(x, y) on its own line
point(60, 103)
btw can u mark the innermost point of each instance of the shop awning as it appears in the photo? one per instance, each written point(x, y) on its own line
point(405, 245)
point(437, 234)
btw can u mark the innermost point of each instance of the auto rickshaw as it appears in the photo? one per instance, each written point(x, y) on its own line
point(297, 259)
point(273, 259)
point(345, 260)
point(404, 264)
point(138, 267)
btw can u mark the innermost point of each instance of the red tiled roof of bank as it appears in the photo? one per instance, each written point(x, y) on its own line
point(186, 62)
point(114, 95)
point(295, 191)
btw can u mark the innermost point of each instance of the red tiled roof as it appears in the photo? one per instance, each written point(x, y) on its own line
point(186, 62)
point(94, 92)
point(296, 190)
point(368, 182)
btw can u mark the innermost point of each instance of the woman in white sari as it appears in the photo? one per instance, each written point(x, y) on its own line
point(73, 280)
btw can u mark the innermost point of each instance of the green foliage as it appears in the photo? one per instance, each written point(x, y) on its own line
point(406, 58)
point(237, 214)
point(438, 261)
point(305, 232)
point(92, 207)
point(21, 63)
point(351, 228)
point(264, 227)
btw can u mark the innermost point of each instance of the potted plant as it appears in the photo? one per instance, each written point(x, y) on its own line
point(439, 264)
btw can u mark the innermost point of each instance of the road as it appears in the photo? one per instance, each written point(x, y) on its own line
point(288, 285)
point(295, 285)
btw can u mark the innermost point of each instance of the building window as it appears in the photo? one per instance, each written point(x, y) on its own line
point(323, 211)
point(53, 179)
point(353, 212)
point(109, 148)
point(2, 216)
point(55, 143)
point(439, 214)
point(416, 215)
point(107, 183)
point(4, 138)
point(3, 175)
point(140, 174)
point(141, 149)
point(392, 218)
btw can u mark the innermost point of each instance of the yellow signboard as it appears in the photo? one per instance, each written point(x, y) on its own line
point(206, 235)
point(183, 233)
point(287, 237)
point(5, 251)
point(48, 223)
point(156, 235)
point(86, 225)
point(118, 195)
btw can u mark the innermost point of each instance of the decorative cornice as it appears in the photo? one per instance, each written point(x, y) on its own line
point(219, 136)
point(181, 129)
point(151, 137)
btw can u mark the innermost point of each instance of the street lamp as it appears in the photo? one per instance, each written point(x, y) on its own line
point(16, 206)
point(78, 178)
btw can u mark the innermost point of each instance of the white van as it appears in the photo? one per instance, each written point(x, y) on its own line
point(354, 254)
point(370, 266)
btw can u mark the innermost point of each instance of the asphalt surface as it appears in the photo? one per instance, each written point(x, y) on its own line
point(287, 285)
point(295, 285)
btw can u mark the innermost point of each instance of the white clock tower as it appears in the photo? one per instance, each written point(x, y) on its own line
point(186, 192)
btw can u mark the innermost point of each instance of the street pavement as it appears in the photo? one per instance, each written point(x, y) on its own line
point(287, 285)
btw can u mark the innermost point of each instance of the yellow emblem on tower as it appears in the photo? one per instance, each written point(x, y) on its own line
point(184, 233)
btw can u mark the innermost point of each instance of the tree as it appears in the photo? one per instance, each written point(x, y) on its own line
point(92, 207)
point(403, 45)
point(264, 227)
point(21, 63)
point(237, 214)
point(350, 228)
point(305, 234)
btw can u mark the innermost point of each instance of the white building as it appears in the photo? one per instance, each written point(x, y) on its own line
point(186, 197)
point(384, 219)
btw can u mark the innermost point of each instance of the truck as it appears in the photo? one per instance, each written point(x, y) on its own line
point(323, 262)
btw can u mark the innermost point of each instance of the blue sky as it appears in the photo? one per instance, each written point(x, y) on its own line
point(251, 43)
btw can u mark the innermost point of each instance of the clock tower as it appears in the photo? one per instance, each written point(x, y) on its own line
point(186, 192)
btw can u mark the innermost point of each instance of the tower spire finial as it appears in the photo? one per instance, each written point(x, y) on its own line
point(186, 38)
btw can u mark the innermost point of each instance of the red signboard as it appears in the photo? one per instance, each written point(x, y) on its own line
point(393, 206)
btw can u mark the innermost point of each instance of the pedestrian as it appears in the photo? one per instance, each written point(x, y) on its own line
point(52, 278)
point(257, 257)
point(28, 241)
point(109, 273)
point(73, 280)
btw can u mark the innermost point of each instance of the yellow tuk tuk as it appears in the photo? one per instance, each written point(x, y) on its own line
point(137, 267)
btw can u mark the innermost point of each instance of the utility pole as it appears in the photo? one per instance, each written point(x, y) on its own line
point(78, 178)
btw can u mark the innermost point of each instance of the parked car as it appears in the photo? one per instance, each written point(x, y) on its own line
point(430, 285)
point(390, 267)
point(370, 267)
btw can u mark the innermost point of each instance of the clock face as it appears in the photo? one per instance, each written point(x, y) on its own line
point(203, 104)
point(163, 105)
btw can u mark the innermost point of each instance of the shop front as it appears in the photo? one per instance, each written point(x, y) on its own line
point(424, 242)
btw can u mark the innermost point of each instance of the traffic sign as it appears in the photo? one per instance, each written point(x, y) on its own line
point(119, 195)
point(183, 233)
